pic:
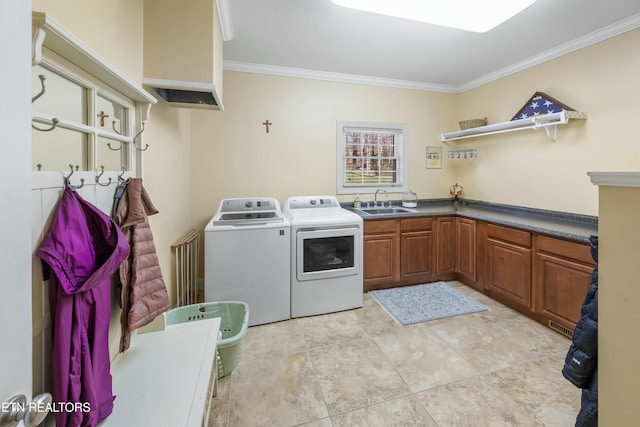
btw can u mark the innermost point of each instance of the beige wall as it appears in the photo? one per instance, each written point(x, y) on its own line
point(525, 168)
point(522, 168)
point(112, 28)
point(233, 156)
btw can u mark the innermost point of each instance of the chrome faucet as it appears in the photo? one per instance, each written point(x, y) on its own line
point(375, 198)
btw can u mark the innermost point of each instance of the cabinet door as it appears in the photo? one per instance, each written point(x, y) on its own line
point(381, 254)
point(466, 248)
point(380, 261)
point(416, 259)
point(509, 271)
point(563, 276)
point(445, 254)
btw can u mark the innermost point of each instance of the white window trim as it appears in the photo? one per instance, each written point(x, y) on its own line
point(403, 175)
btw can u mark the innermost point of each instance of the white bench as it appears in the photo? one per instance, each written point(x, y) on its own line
point(167, 377)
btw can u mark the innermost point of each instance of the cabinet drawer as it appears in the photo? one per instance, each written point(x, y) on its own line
point(511, 235)
point(377, 227)
point(577, 251)
point(416, 224)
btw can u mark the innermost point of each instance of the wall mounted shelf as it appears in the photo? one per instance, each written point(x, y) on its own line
point(49, 34)
point(548, 122)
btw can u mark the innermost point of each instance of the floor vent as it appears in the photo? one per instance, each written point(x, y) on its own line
point(559, 328)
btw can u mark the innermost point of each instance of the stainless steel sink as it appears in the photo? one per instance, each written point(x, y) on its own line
point(386, 210)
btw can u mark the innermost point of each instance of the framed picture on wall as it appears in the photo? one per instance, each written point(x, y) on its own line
point(434, 157)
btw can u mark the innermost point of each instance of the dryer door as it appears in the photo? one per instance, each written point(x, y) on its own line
point(325, 253)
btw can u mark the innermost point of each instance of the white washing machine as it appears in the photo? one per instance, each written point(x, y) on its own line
point(326, 256)
point(247, 258)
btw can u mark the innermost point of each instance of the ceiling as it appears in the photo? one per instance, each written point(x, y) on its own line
point(318, 39)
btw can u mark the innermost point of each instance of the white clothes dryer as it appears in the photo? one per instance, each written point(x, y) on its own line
point(326, 256)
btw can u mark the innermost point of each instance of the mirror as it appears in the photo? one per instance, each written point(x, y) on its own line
point(112, 156)
point(62, 98)
point(79, 139)
point(55, 150)
point(110, 116)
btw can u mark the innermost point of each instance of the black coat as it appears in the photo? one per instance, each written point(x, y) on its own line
point(581, 363)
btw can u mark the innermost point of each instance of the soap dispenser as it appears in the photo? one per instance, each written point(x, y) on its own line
point(409, 199)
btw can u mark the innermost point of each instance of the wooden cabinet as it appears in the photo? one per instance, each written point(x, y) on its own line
point(509, 266)
point(542, 277)
point(466, 250)
point(562, 277)
point(398, 252)
point(381, 254)
point(416, 250)
point(445, 246)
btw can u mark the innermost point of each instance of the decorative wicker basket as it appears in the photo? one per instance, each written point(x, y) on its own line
point(473, 123)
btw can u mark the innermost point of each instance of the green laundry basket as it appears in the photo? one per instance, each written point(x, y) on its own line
point(234, 320)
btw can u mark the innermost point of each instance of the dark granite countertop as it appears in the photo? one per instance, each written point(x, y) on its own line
point(557, 224)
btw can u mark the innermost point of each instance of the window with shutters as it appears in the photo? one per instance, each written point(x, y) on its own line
point(371, 156)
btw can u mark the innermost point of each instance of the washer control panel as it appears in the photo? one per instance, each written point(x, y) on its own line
point(249, 205)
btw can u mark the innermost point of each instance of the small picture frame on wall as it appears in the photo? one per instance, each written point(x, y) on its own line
point(434, 157)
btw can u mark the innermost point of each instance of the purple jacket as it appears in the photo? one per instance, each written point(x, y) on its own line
point(80, 251)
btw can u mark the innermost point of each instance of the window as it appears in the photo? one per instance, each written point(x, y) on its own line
point(371, 156)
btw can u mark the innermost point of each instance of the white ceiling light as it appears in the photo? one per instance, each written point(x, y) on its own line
point(469, 15)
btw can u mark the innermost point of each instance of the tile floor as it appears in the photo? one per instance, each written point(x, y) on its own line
point(359, 368)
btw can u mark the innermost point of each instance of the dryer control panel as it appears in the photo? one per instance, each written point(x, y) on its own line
point(309, 202)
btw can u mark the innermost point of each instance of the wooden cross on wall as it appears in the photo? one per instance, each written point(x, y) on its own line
point(102, 116)
point(267, 123)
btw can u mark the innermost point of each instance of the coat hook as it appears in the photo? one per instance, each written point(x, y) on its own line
point(135, 144)
point(39, 166)
point(54, 124)
point(113, 125)
point(98, 178)
point(134, 140)
point(121, 175)
point(66, 178)
point(54, 121)
point(114, 149)
point(42, 90)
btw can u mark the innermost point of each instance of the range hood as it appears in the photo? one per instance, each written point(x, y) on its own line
point(183, 52)
point(183, 94)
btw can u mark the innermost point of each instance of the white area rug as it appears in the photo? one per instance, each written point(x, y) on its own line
point(421, 303)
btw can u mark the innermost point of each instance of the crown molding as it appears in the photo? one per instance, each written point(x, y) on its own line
point(334, 77)
point(615, 179)
point(605, 33)
point(224, 16)
point(610, 31)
